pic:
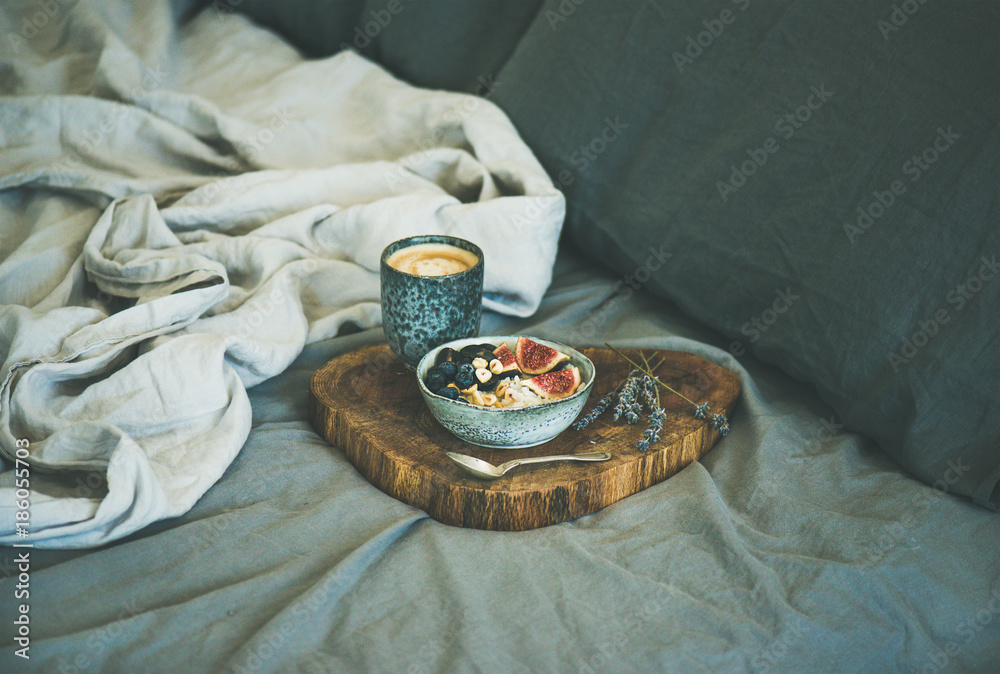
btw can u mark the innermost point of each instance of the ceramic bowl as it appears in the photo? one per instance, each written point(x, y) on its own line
point(511, 428)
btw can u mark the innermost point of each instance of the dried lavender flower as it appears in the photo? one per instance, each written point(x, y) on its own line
point(627, 396)
point(597, 410)
point(721, 424)
point(649, 392)
point(638, 390)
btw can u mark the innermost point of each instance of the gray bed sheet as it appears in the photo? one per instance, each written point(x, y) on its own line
point(792, 546)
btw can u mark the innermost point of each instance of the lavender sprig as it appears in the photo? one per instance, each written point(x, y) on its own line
point(626, 399)
point(719, 421)
point(639, 389)
point(601, 406)
point(597, 410)
point(652, 433)
point(649, 394)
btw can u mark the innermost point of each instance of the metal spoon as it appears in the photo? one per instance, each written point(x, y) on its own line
point(488, 471)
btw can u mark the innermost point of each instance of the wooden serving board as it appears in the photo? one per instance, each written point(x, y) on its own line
point(367, 404)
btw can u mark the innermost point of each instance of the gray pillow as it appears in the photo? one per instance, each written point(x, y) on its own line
point(440, 44)
point(825, 177)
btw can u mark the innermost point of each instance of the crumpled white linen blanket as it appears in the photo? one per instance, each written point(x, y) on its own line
point(182, 208)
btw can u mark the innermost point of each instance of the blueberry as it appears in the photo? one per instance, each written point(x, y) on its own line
point(448, 369)
point(466, 367)
point(465, 378)
point(434, 380)
point(449, 392)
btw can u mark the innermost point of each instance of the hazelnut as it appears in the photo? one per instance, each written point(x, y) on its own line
point(496, 367)
point(483, 375)
point(478, 363)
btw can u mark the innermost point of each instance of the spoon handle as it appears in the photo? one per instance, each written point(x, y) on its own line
point(585, 456)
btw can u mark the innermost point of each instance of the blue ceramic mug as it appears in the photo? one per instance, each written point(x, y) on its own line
point(431, 293)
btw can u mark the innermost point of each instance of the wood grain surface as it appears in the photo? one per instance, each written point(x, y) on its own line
point(367, 404)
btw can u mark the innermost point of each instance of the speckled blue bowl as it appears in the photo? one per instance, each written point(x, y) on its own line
point(507, 428)
point(421, 312)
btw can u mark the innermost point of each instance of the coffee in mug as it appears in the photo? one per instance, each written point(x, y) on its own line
point(432, 293)
point(432, 259)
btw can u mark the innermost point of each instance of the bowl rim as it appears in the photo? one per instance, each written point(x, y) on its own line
point(465, 341)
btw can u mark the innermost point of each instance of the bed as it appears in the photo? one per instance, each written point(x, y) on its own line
point(194, 197)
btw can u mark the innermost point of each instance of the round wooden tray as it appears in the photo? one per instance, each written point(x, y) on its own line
point(366, 403)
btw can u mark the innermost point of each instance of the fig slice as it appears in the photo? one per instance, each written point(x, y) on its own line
point(508, 362)
point(535, 358)
point(556, 384)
